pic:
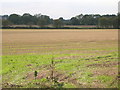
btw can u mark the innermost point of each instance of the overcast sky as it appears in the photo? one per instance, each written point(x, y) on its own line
point(59, 8)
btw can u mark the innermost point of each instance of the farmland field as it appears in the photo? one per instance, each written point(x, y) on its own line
point(62, 58)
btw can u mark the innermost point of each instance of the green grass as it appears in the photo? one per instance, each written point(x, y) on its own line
point(16, 67)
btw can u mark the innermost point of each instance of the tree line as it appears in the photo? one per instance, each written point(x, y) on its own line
point(101, 21)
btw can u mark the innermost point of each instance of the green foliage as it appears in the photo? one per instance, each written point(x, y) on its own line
point(43, 20)
point(72, 65)
point(15, 19)
point(57, 84)
point(104, 78)
point(57, 23)
point(6, 23)
point(66, 85)
point(102, 21)
point(74, 21)
point(35, 74)
point(108, 22)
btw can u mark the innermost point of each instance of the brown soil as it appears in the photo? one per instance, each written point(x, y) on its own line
point(49, 36)
point(46, 74)
point(42, 41)
point(103, 65)
point(110, 72)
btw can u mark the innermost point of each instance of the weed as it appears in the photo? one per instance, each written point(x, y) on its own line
point(35, 74)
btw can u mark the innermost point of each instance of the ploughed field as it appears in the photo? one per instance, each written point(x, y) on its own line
point(60, 58)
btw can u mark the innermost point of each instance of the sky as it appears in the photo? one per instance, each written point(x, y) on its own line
point(59, 8)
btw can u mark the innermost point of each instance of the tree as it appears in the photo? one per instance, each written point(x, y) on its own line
point(15, 19)
point(74, 21)
point(108, 21)
point(57, 23)
point(103, 22)
point(6, 23)
point(30, 24)
point(118, 20)
point(61, 18)
point(27, 18)
point(115, 22)
point(43, 20)
point(5, 17)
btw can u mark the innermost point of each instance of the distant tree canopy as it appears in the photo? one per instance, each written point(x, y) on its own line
point(27, 19)
point(74, 21)
point(58, 23)
point(15, 18)
point(6, 23)
point(108, 21)
point(43, 20)
point(102, 21)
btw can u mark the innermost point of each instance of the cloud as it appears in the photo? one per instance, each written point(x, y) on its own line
point(59, 8)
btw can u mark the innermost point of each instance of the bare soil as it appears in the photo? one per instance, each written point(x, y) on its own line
point(41, 41)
